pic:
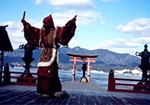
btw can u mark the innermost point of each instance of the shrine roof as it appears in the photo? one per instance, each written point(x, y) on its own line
point(5, 44)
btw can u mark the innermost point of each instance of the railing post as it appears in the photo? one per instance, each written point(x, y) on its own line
point(6, 74)
point(30, 81)
point(111, 81)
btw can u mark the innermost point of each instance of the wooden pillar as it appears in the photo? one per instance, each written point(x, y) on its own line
point(6, 74)
point(73, 78)
point(1, 60)
point(1, 64)
point(74, 66)
point(88, 78)
point(111, 81)
point(89, 67)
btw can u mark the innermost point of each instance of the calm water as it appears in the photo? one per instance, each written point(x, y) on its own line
point(99, 78)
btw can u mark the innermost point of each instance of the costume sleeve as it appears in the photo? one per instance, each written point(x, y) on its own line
point(65, 33)
point(31, 34)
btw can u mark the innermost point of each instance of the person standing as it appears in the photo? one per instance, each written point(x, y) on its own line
point(49, 38)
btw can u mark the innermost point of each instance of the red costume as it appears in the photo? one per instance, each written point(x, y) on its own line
point(49, 39)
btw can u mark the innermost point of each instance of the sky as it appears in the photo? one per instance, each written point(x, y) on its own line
point(121, 26)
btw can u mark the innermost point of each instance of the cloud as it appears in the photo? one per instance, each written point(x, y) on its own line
point(69, 8)
point(78, 4)
point(120, 45)
point(63, 4)
point(141, 40)
point(110, 0)
point(83, 18)
point(39, 1)
point(74, 42)
point(137, 27)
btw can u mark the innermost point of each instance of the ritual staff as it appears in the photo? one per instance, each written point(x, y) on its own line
point(49, 39)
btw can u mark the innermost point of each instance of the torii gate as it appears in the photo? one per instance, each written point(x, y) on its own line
point(82, 58)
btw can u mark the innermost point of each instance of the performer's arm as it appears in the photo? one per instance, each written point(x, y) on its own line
point(71, 22)
point(31, 33)
point(66, 33)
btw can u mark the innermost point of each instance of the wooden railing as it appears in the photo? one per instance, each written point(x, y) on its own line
point(20, 78)
point(128, 85)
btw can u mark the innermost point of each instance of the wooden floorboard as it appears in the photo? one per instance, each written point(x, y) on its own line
point(79, 94)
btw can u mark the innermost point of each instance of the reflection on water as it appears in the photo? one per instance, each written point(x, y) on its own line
point(99, 78)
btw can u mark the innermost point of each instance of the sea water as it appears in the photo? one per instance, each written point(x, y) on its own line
point(99, 78)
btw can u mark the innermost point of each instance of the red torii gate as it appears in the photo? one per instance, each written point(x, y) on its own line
point(82, 58)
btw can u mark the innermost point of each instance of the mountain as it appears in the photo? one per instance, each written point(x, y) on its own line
point(105, 61)
point(106, 56)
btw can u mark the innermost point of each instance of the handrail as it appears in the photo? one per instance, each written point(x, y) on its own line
point(22, 72)
point(25, 78)
point(126, 79)
point(139, 87)
point(19, 72)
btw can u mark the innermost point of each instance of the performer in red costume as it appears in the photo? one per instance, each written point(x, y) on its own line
point(49, 39)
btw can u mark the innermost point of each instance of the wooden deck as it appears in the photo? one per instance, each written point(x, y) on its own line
point(80, 94)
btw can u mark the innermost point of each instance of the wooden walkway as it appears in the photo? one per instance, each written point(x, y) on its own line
point(80, 94)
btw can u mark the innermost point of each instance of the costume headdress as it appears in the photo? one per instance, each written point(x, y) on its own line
point(48, 21)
